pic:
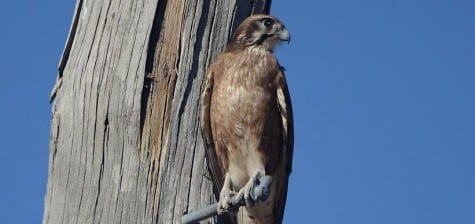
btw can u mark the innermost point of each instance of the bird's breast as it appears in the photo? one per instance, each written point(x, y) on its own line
point(244, 96)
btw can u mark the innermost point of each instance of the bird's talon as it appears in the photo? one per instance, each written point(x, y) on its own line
point(224, 204)
point(245, 193)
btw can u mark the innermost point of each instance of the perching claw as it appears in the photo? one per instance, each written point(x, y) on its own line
point(259, 193)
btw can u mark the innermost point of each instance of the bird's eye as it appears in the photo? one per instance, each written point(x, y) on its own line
point(268, 22)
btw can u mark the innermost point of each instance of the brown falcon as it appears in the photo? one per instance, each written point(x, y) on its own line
point(246, 119)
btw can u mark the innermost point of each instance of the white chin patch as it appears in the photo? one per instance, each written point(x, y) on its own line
point(259, 50)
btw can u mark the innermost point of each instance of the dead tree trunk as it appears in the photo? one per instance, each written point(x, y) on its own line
point(125, 144)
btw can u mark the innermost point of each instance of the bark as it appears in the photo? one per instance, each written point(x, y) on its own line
point(125, 145)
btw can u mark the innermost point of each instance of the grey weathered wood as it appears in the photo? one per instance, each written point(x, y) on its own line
point(124, 144)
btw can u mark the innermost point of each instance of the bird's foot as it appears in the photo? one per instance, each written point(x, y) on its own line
point(224, 204)
point(245, 191)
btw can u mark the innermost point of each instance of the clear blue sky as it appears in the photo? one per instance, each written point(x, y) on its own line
point(384, 106)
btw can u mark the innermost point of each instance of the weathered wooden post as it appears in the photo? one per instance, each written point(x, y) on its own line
point(124, 145)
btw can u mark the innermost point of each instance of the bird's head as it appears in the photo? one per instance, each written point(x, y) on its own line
point(263, 31)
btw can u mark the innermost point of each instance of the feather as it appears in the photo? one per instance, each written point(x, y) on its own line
point(246, 118)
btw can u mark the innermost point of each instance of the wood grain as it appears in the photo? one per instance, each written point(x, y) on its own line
point(124, 142)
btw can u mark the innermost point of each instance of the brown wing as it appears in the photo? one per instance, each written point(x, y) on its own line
point(285, 107)
point(216, 171)
point(205, 122)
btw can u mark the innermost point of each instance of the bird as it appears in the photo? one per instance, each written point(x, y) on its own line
point(246, 120)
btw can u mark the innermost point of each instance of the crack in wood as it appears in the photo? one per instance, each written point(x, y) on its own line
point(125, 144)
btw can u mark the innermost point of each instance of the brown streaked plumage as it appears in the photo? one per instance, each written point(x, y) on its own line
point(246, 119)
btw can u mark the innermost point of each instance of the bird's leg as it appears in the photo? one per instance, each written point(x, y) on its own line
point(225, 196)
point(246, 190)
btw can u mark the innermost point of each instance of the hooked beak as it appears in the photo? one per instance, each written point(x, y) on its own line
point(284, 35)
